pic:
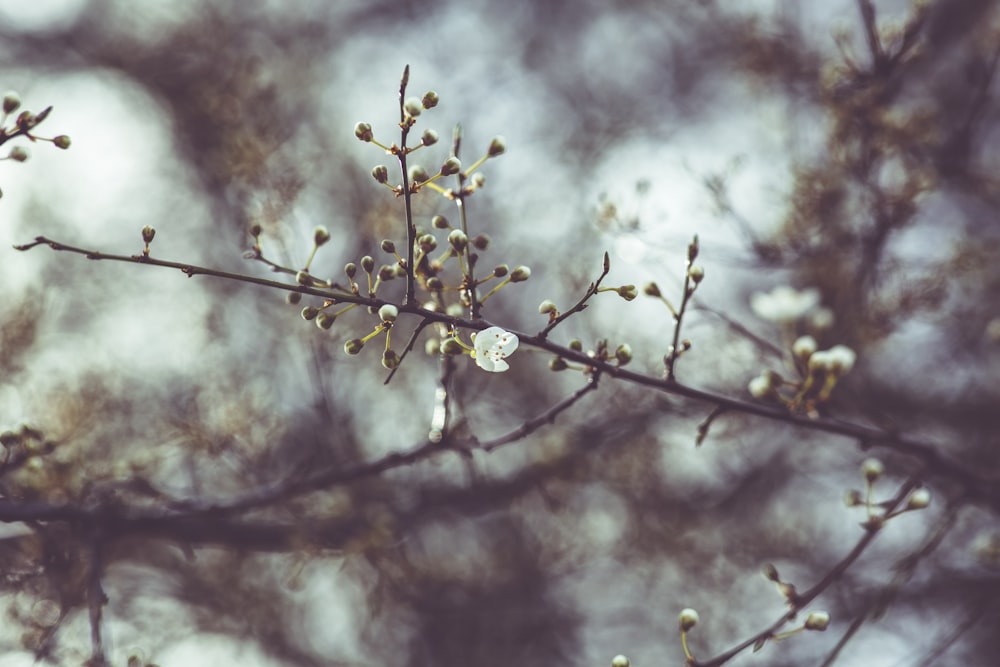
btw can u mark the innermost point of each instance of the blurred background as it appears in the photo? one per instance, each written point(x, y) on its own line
point(846, 146)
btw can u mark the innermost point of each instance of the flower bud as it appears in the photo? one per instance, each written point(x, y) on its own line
point(547, 307)
point(872, 469)
point(478, 180)
point(520, 274)
point(427, 242)
point(325, 320)
point(388, 247)
point(619, 661)
point(458, 240)
point(434, 283)
point(623, 354)
point(693, 249)
point(293, 298)
point(147, 234)
point(557, 364)
point(817, 620)
point(481, 242)
point(501, 270)
point(430, 100)
point(440, 222)
point(804, 347)
point(628, 292)
point(576, 345)
point(11, 102)
point(432, 346)
point(386, 273)
point(18, 154)
point(353, 346)
point(381, 173)
point(696, 274)
point(351, 269)
point(390, 359)
point(688, 619)
point(303, 278)
point(255, 230)
point(853, 498)
point(413, 107)
point(363, 131)
point(429, 137)
point(451, 166)
point(761, 385)
point(770, 572)
point(418, 174)
point(919, 499)
point(497, 147)
point(309, 313)
point(320, 235)
point(451, 347)
point(388, 313)
point(367, 264)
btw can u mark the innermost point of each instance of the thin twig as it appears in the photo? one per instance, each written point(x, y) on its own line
point(582, 303)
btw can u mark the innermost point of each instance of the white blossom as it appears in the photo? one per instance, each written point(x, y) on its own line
point(492, 345)
point(784, 304)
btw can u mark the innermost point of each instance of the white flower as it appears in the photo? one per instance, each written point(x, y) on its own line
point(492, 346)
point(784, 304)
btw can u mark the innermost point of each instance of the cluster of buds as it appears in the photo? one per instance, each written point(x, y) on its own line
point(819, 372)
point(24, 125)
point(878, 513)
point(620, 355)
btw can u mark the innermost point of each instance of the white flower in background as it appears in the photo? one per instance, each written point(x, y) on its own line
point(784, 304)
point(492, 345)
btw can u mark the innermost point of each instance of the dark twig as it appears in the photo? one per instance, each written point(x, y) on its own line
point(96, 599)
point(582, 303)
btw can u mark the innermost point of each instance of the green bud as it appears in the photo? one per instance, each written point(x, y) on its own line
point(497, 147)
point(380, 173)
point(351, 269)
point(501, 270)
point(303, 278)
point(309, 313)
point(353, 346)
point(430, 100)
point(363, 131)
point(628, 292)
point(451, 166)
point(390, 359)
point(367, 264)
point(576, 345)
point(557, 364)
point(452, 347)
point(418, 174)
point(389, 247)
point(427, 242)
point(386, 273)
point(478, 179)
point(255, 229)
point(458, 240)
point(18, 154)
point(147, 234)
point(62, 141)
point(293, 298)
point(620, 661)
point(11, 102)
point(481, 242)
point(325, 320)
point(434, 283)
point(651, 289)
point(623, 354)
point(440, 222)
point(693, 249)
point(520, 274)
point(320, 235)
point(546, 307)
point(429, 137)
point(696, 274)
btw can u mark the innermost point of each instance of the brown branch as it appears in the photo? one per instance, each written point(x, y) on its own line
point(582, 303)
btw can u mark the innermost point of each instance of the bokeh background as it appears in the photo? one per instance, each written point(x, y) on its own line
point(845, 146)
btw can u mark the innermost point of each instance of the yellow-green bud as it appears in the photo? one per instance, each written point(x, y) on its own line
point(427, 242)
point(688, 619)
point(651, 289)
point(353, 346)
point(293, 298)
point(255, 229)
point(351, 269)
point(367, 264)
point(147, 234)
point(320, 235)
point(440, 222)
point(388, 313)
point(309, 313)
point(418, 174)
point(303, 278)
point(325, 320)
point(919, 499)
point(546, 307)
point(386, 273)
point(363, 131)
point(520, 274)
point(818, 620)
point(771, 572)
point(576, 345)
point(380, 173)
point(623, 354)
point(696, 274)
point(478, 180)
point(619, 661)
point(389, 247)
point(628, 292)
point(62, 141)
point(390, 359)
point(872, 469)
point(501, 270)
point(497, 147)
point(451, 166)
point(434, 283)
point(452, 347)
point(557, 364)
point(11, 102)
point(481, 242)
point(458, 240)
point(430, 100)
